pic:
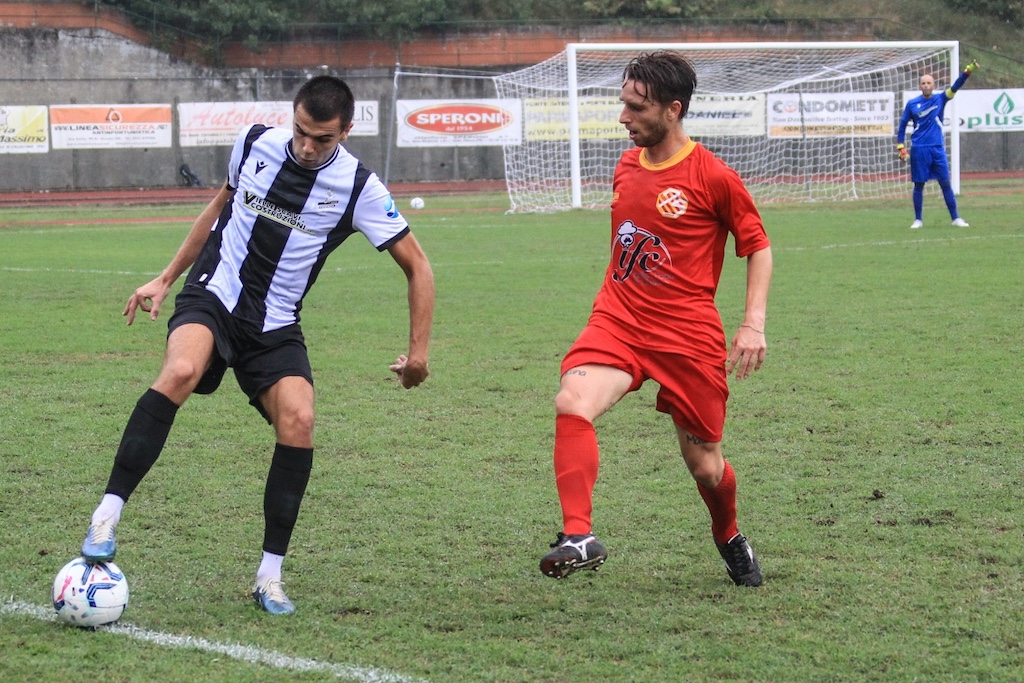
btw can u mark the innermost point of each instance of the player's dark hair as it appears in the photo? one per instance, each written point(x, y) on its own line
point(325, 98)
point(668, 76)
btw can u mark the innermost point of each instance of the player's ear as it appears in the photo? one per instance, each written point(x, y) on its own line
point(348, 129)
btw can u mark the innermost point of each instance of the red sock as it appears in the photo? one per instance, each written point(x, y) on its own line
point(721, 502)
point(576, 461)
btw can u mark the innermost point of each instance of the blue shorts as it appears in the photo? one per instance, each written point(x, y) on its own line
point(928, 163)
point(258, 358)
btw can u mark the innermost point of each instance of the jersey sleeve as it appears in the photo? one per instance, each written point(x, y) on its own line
point(239, 151)
point(957, 84)
point(739, 214)
point(377, 216)
point(901, 133)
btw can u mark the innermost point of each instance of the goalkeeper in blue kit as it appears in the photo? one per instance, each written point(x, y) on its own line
point(927, 152)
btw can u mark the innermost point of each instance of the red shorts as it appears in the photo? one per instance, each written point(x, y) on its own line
point(694, 393)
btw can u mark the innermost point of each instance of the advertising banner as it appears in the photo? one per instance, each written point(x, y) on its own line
point(990, 111)
point(718, 115)
point(797, 115)
point(547, 118)
point(366, 121)
point(459, 123)
point(207, 124)
point(110, 126)
point(24, 130)
point(709, 115)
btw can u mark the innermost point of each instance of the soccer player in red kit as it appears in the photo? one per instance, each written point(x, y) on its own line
point(674, 204)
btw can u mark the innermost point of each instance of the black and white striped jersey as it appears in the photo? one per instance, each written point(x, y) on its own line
point(272, 239)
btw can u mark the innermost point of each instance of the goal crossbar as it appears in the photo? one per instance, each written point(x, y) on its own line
point(854, 155)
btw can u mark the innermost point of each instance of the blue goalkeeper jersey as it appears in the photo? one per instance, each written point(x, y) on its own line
point(927, 114)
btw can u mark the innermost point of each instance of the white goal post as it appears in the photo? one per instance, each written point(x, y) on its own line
point(798, 121)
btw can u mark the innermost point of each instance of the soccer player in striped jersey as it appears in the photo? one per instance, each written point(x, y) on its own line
point(674, 205)
point(927, 153)
point(291, 197)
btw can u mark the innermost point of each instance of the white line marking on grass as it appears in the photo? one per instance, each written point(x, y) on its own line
point(242, 653)
point(73, 227)
point(74, 271)
point(891, 243)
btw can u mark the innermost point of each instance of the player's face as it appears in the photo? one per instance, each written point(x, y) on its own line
point(647, 121)
point(314, 142)
point(927, 86)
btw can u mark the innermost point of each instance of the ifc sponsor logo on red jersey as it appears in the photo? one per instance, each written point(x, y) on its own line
point(637, 254)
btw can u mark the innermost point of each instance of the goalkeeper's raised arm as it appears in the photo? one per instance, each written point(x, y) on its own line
point(962, 78)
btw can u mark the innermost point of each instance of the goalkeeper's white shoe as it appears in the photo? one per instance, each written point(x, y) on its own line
point(916, 224)
point(960, 223)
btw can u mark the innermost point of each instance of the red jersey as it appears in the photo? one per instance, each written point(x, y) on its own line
point(670, 223)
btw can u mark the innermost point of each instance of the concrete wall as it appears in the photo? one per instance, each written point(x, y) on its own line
point(992, 152)
point(45, 66)
point(94, 66)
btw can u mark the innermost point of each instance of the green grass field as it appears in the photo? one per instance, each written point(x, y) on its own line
point(878, 456)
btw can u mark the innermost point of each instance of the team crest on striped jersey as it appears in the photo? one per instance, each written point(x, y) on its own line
point(328, 203)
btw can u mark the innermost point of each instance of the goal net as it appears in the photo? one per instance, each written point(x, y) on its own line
point(798, 121)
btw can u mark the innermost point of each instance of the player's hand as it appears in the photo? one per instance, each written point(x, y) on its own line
point(148, 297)
point(747, 351)
point(409, 373)
point(902, 151)
point(971, 67)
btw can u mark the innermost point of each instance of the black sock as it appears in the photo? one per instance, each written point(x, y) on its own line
point(143, 439)
point(286, 484)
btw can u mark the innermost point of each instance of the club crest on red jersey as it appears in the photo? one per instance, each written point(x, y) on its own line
point(637, 253)
point(671, 203)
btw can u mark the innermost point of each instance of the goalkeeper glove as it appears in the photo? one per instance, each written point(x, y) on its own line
point(971, 67)
point(902, 151)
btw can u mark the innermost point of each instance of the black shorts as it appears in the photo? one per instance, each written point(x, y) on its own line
point(258, 358)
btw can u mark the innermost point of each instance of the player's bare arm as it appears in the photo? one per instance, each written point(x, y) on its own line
point(151, 295)
point(749, 345)
point(411, 368)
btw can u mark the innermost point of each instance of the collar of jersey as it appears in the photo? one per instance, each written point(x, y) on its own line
point(684, 152)
point(288, 151)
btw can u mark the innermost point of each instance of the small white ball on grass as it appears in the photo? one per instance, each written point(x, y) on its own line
point(416, 202)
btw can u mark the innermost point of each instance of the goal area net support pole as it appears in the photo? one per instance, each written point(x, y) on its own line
point(798, 121)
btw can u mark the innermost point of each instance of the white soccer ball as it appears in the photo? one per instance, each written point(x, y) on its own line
point(90, 594)
point(416, 202)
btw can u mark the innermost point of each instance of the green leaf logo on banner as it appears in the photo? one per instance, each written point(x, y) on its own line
point(1003, 104)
